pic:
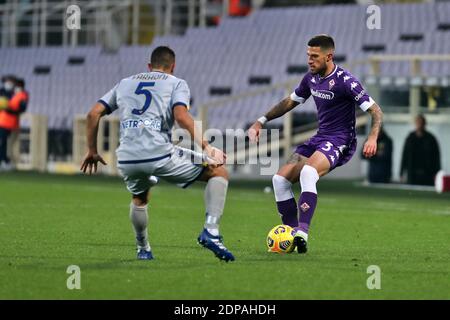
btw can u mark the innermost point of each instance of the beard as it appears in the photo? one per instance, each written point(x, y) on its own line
point(320, 71)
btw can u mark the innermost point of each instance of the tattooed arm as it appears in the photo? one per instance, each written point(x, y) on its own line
point(282, 107)
point(370, 147)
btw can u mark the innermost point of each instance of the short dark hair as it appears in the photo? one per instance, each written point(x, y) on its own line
point(20, 83)
point(162, 57)
point(9, 77)
point(422, 117)
point(323, 41)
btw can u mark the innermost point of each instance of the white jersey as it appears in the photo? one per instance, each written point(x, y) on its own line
point(145, 102)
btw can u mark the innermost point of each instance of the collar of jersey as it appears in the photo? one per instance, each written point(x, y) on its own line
point(334, 70)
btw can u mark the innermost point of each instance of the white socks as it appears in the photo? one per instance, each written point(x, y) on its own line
point(282, 188)
point(308, 179)
point(139, 219)
point(215, 194)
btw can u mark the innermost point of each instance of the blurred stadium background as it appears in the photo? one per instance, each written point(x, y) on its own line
point(239, 58)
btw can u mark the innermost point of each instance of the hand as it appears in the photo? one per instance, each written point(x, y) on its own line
point(90, 161)
point(253, 132)
point(215, 157)
point(370, 148)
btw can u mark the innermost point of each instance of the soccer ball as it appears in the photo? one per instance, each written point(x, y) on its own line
point(280, 239)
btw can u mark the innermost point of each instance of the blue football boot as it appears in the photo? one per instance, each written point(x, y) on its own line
point(143, 254)
point(215, 244)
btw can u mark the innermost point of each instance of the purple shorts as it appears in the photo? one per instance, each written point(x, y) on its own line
point(337, 152)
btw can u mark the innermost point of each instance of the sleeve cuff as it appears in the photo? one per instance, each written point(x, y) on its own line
point(296, 98)
point(367, 104)
point(180, 104)
point(107, 107)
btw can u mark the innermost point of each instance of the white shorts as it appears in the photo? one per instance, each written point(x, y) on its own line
point(177, 167)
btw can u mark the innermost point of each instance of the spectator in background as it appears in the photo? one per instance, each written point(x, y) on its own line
point(9, 117)
point(380, 165)
point(421, 157)
point(7, 89)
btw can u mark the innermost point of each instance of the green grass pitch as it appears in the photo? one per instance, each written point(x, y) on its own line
point(50, 222)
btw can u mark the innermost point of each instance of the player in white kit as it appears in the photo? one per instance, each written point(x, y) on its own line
point(148, 104)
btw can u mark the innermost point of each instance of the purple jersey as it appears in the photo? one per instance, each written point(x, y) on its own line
point(336, 97)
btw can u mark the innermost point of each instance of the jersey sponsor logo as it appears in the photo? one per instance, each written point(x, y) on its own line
point(353, 85)
point(332, 158)
point(346, 78)
point(339, 73)
point(153, 124)
point(331, 84)
point(336, 153)
point(323, 94)
point(359, 96)
point(313, 80)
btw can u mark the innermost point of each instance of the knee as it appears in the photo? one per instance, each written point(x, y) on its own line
point(280, 182)
point(140, 200)
point(308, 175)
point(220, 172)
point(281, 188)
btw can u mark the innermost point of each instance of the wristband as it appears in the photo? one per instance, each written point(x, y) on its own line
point(262, 120)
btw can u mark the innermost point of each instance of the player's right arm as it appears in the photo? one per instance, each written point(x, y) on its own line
point(300, 94)
point(92, 156)
point(104, 106)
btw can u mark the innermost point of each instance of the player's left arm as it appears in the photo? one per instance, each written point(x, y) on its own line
point(370, 147)
point(358, 94)
point(180, 108)
point(185, 120)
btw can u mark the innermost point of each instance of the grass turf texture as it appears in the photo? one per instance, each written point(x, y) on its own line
point(50, 222)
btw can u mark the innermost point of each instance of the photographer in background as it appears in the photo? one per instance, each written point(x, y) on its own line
point(10, 115)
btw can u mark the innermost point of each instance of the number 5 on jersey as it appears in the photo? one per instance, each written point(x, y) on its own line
point(148, 97)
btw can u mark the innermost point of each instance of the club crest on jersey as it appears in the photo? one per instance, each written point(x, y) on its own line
point(331, 84)
point(304, 206)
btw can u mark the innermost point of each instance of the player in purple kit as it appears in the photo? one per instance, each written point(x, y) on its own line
point(335, 92)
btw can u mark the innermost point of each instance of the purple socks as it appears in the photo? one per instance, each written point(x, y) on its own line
point(288, 212)
point(306, 206)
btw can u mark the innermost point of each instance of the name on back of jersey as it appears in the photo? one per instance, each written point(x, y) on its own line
point(153, 124)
